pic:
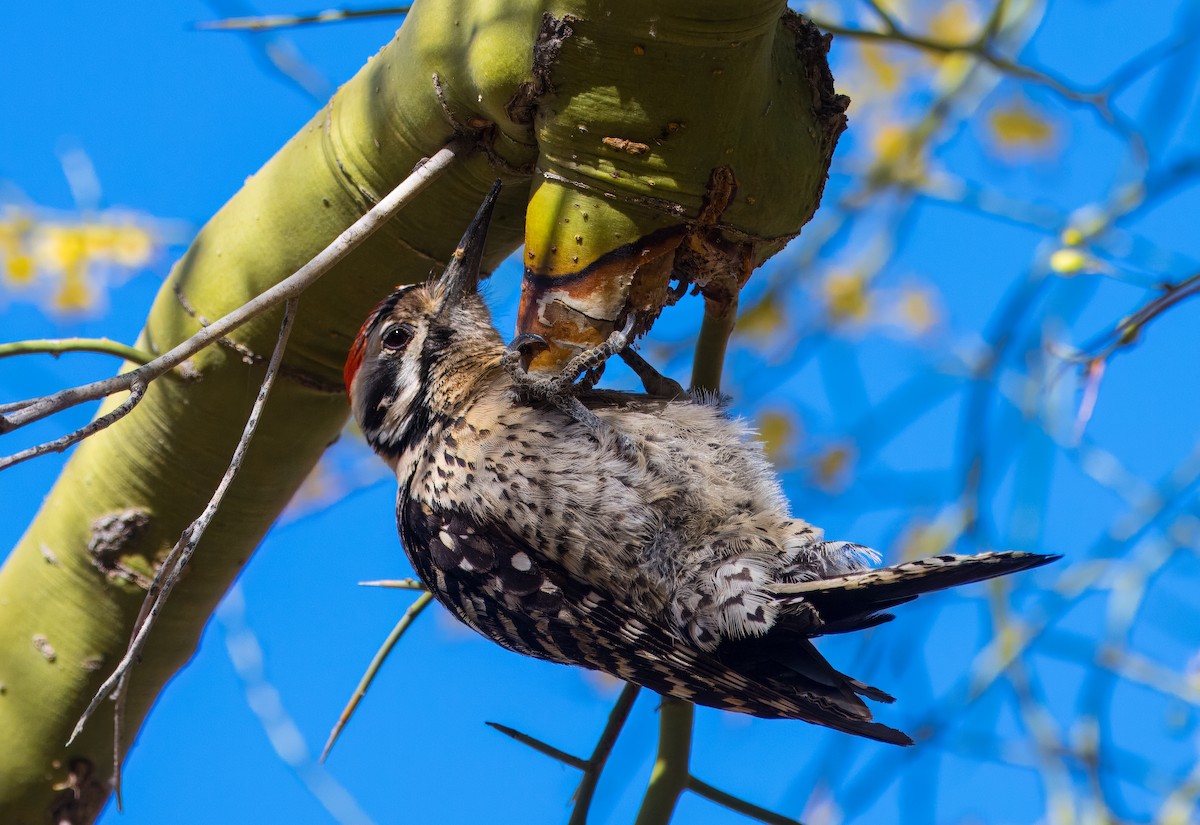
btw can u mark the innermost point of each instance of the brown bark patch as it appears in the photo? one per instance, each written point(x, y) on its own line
point(115, 537)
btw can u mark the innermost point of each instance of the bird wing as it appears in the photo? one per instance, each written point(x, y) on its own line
point(501, 586)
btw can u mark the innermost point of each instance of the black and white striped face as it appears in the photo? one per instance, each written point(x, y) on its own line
point(384, 372)
point(415, 353)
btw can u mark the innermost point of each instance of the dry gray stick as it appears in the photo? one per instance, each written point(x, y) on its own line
point(20, 413)
point(136, 391)
point(171, 568)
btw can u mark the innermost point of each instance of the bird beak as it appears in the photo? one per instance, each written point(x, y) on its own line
point(461, 277)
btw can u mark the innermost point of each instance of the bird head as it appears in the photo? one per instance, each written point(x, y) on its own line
point(420, 349)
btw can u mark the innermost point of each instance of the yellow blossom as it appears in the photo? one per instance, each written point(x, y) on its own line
point(954, 23)
point(889, 143)
point(18, 269)
point(884, 70)
point(775, 431)
point(62, 247)
point(916, 311)
point(1071, 261)
point(132, 245)
point(74, 294)
point(1072, 236)
point(833, 467)
point(1017, 125)
point(847, 297)
point(761, 319)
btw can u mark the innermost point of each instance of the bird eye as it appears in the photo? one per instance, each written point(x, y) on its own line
point(397, 337)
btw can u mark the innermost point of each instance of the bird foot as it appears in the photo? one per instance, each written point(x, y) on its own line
point(560, 390)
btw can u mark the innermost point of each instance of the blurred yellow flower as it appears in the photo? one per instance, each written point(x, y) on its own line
point(954, 23)
point(18, 269)
point(882, 68)
point(133, 245)
point(1071, 261)
point(72, 257)
point(847, 297)
point(833, 467)
point(1072, 236)
point(916, 311)
point(775, 430)
point(889, 143)
point(73, 295)
point(61, 246)
point(1018, 125)
point(761, 319)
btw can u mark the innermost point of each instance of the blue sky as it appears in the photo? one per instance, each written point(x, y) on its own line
point(173, 120)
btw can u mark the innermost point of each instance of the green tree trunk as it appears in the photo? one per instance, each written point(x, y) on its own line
point(563, 99)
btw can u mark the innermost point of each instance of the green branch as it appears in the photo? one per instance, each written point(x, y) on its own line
point(595, 765)
point(670, 776)
point(541, 747)
point(736, 803)
point(410, 616)
point(57, 346)
point(715, 329)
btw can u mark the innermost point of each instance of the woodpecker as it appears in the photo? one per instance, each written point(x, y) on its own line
point(656, 547)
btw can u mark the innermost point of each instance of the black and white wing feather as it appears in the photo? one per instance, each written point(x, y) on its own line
point(498, 584)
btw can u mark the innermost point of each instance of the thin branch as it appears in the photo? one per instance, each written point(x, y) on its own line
point(172, 567)
point(976, 48)
point(279, 55)
point(885, 17)
point(720, 317)
point(1127, 332)
point(286, 21)
point(540, 746)
point(595, 765)
point(398, 584)
point(410, 616)
point(737, 804)
point(20, 413)
point(57, 346)
point(995, 22)
point(670, 776)
point(136, 391)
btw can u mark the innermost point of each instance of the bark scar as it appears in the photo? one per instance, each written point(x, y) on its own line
point(80, 796)
point(114, 537)
point(522, 106)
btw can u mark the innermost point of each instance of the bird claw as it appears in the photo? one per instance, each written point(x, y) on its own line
point(656, 384)
point(517, 357)
point(559, 390)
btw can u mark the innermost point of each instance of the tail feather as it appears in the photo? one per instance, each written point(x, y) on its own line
point(857, 600)
point(790, 664)
point(786, 662)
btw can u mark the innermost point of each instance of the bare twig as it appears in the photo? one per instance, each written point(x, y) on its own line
point(975, 48)
point(136, 391)
point(171, 568)
point(20, 413)
point(1129, 329)
point(286, 21)
point(279, 55)
point(599, 758)
point(736, 803)
point(57, 346)
point(540, 746)
point(884, 15)
point(410, 616)
point(398, 584)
